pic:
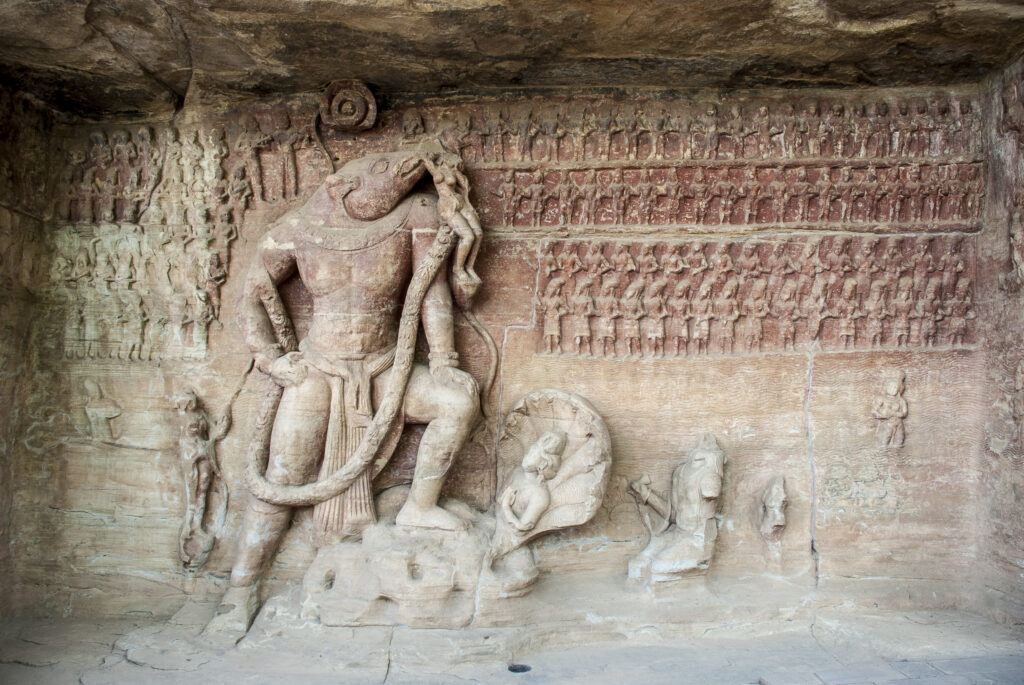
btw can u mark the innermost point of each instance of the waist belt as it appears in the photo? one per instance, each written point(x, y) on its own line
point(351, 382)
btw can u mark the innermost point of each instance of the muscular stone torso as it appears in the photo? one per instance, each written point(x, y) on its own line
point(357, 294)
point(357, 273)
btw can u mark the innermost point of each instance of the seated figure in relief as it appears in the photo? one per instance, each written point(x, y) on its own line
point(355, 245)
point(528, 495)
point(683, 524)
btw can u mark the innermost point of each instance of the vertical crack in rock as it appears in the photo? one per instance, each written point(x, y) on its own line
point(387, 666)
point(810, 461)
point(501, 360)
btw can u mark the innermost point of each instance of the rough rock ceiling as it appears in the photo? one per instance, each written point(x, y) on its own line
point(121, 57)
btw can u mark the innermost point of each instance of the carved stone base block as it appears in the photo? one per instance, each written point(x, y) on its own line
point(674, 555)
point(418, 577)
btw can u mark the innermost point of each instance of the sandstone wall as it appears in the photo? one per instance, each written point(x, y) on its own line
point(845, 201)
point(1000, 516)
point(24, 155)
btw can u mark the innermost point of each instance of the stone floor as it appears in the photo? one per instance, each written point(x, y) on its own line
point(933, 648)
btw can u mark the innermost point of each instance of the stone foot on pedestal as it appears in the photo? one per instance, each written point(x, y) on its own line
point(234, 615)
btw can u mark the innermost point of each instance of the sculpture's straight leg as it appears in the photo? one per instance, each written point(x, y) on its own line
point(262, 528)
point(297, 446)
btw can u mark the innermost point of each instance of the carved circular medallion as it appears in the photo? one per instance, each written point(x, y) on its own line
point(348, 106)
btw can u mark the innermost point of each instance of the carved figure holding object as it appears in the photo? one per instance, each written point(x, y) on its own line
point(772, 512)
point(454, 208)
point(528, 495)
point(338, 401)
point(197, 450)
point(559, 482)
point(683, 525)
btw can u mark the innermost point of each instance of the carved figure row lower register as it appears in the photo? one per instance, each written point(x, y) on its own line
point(618, 299)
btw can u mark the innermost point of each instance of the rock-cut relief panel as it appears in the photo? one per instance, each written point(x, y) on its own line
point(134, 294)
point(631, 300)
point(142, 243)
point(678, 163)
point(869, 196)
point(592, 130)
point(145, 222)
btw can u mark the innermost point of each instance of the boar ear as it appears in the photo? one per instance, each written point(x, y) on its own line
point(342, 186)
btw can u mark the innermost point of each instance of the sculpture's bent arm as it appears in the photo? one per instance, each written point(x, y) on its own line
point(658, 504)
point(261, 314)
point(535, 508)
point(877, 409)
point(507, 499)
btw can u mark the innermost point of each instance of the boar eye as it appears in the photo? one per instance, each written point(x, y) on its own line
point(380, 166)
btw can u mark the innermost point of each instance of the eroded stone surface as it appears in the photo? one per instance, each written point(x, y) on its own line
point(837, 644)
point(123, 57)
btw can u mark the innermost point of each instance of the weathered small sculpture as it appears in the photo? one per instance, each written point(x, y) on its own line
point(889, 410)
point(197, 450)
point(553, 307)
point(608, 310)
point(679, 306)
point(528, 495)
point(99, 410)
point(655, 313)
point(959, 312)
point(563, 473)
point(583, 308)
point(632, 308)
point(682, 524)
point(702, 311)
point(455, 210)
point(755, 309)
point(249, 142)
point(772, 512)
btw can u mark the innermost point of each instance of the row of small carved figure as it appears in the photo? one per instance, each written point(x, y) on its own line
point(112, 177)
point(117, 257)
point(121, 289)
point(126, 325)
point(938, 192)
point(92, 278)
point(79, 251)
point(686, 130)
point(869, 300)
point(117, 177)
